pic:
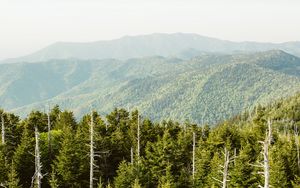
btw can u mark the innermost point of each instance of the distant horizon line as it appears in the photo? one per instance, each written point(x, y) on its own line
point(174, 33)
point(149, 34)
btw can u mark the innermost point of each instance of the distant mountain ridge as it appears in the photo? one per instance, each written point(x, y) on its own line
point(182, 45)
point(208, 88)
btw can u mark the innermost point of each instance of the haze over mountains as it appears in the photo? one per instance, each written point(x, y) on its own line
point(178, 44)
point(183, 77)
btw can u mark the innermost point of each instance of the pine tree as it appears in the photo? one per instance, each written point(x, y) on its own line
point(108, 185)
point(100, 183)
point(69, 164)
point(13, 181)
point(159, 155)
point(3, 167)
point(65, 120)
point(244, 174)
point(24, 159)
point(12, 134)
point(166, 181)
point(203, 160)
point(120, 142)
point(125, 175)
point(136, 184)
point(53, 182)
point(282, 163)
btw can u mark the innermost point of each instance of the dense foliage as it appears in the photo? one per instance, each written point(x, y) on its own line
point(208, 88)
point(166, 149)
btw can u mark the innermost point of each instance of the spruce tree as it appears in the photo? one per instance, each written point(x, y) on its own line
point(68, 163)
point(3, 167)
point(13, 181)
point(24, 159)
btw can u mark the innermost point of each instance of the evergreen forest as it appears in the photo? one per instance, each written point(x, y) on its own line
point(126, 149)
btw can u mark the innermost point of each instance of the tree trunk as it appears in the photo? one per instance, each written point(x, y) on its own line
point(194, 147)
point(138, 137)
point(226, 165)
point(38, 173)
point(266, 164)
point(3, 129)
point(91, 151)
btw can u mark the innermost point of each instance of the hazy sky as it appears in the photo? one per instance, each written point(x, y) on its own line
point(28, 25)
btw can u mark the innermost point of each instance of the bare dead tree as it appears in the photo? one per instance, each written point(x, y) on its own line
point(37, 177)
point(270, 138)
point(296, 135)
point(91, 151)
point(234, 155)
point(2, 129)
point(266, 166)
point(49, 134)
point(131, 155)
point(194, 148)
point(202, 122)
point(49, 128)
point(285, 128)
point(289, 135)
point(250, 114)
point(138, 137)
point(265, 152)
point(225, 167)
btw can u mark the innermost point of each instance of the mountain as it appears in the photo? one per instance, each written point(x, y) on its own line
point(207, 88)
point(181, 45)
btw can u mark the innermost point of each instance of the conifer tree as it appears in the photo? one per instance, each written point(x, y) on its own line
point(136, 184)
point(203, 164)
point(24, 159)
point(159, 155)
point(69, 162)
point(3, 167)
point(100, 183)
point(166, 181)
point(13, 181)
point(125, 175)
point(244, 174)
point(12, 134)
point(53, 182)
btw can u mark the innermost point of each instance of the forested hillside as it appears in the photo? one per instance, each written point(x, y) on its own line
point(129, 150)
point(208, 88)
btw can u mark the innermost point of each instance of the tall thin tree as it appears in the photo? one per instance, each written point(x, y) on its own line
point(131, 155)
point(194, 148)
point(296, 135)
point(49, 134)
point(37, 178)
point(138, 137)
point(91, 151)
point(2, 129)
point(265, 152)
point(225, 167)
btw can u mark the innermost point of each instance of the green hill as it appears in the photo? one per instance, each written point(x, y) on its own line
point(207, 88)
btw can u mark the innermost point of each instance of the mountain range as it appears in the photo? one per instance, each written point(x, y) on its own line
point(207, 87)
point(180, 45)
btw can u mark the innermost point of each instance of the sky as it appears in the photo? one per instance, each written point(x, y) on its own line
point(27, 26)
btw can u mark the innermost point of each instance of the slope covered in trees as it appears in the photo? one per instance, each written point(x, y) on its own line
point(161, 87)
point(132, 151)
